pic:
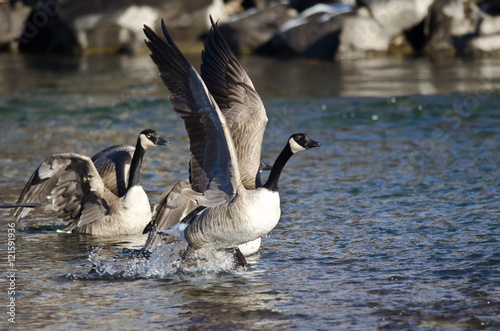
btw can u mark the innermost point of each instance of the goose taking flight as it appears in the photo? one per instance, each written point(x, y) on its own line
point(99, 195)
point(229, 214)
point(246, 118)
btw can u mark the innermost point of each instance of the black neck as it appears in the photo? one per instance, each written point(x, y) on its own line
point(135, 167)
point(279, 164)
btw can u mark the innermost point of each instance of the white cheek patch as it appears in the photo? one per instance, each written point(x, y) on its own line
point(145, 142)
point(294, 146)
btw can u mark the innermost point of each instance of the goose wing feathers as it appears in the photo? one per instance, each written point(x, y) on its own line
point(238, 100)
point(73, 185)
point(113, 165)
point(171, 207)
point(214, 174)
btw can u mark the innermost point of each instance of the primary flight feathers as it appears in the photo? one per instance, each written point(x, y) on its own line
point(99, 195)
point(231, 213)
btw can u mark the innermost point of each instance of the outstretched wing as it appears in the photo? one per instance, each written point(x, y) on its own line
point(237, 99)
point(213, 168)
point(113, 165)
point(170, 208)
point(73, 185)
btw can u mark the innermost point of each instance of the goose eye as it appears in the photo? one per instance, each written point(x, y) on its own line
point(299, 137)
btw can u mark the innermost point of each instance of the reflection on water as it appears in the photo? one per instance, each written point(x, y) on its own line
point(132, 77)
point(393, 223)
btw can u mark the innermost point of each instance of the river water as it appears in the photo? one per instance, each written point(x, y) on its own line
point(394, 223)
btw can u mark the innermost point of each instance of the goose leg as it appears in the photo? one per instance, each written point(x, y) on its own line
point(239, 259)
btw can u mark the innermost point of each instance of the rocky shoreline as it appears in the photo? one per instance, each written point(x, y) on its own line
point(335, 30)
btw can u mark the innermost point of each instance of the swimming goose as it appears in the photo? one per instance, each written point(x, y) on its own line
point(242, 107)
point(99, 195)
point(229, 215)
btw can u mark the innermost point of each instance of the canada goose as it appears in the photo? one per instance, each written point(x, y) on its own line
point(99, 195)
point(229, 214)
point(245, 115)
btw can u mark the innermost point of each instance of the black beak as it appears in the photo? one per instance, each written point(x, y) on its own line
point(161, 141)
point(312, 143)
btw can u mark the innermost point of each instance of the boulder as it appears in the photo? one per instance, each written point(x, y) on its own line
point(487, 39)
point(46, 30)
point(314, 33)
point(114, 32)
point(12, 18)
point(248, 31)
point(449, 26)
point(362, 36)
point(395, 16)
point(96, 26)
point(341, 29)
point(489, 25)
point(120, 29)
point(301, 5)
point(485, 44)
point(189, 21)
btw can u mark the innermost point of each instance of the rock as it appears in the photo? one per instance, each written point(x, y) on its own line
point(47, 31)
point(399, 45)
point(395, 16)
point(189, 21)
point(341, 29)
point(120, 29)
point(362, 36)
point(248, 31)
point(314, 33)
point(301, 5)
point(489, 25)
point(12, 18)
point(488, 33)
point(96, 26)
point(450, 24)
point(463, 15)
point(114, 32)
point(485, 44)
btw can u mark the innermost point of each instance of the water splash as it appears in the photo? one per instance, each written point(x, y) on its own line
point(164, 262)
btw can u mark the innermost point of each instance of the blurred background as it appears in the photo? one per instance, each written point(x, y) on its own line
point(341, 29)
point(290, 48)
